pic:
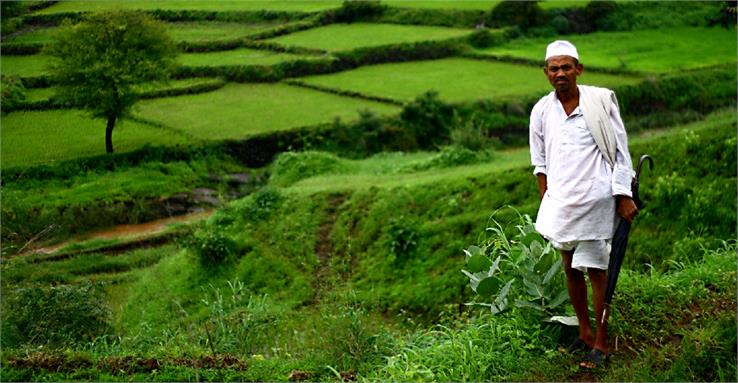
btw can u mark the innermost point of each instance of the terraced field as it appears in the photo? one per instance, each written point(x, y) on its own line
point(455, 79)
point(241, 56)
point(341, 37)
point(189, 31)
point(654, 51)
point(240, 110)
point(221, 5)
point(24, 66)
point(342, 261)
point(45, 137)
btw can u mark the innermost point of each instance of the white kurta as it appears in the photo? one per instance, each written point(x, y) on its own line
point(579, 204)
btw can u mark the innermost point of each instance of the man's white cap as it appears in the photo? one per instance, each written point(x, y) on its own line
point(561, 48)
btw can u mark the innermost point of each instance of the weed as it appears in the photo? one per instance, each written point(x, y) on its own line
point(499, 261)
point(54, 316)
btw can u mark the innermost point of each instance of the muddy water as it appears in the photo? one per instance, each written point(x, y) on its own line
point(129, 231)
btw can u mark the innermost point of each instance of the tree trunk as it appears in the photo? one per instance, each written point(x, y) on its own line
point(109, 134)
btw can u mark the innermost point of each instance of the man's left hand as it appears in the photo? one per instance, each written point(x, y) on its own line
point(627, 208)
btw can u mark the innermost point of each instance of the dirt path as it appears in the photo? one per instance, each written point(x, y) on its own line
point(140, 230)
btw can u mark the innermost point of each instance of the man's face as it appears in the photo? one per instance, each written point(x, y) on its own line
point(562, 72)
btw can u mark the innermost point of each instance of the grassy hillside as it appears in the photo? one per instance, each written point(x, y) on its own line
point(365, 263)
point(295, 206)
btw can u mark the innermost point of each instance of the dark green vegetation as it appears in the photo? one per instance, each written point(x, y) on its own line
point(343, 196)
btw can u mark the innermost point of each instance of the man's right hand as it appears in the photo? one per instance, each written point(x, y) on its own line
point(627, 208)
point(542, 184)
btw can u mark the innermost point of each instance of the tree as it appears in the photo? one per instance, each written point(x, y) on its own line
point(524, 14)
point(99, 62)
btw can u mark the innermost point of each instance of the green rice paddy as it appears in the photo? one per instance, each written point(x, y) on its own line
point(341, 37)
point(240, 110)
point(212, 30)
point(41, 94)
point(661, 50)
point(242, 56)
point(24, 66)
point(31, 138)
point(180, 31)
point(32, 36)
point(220, 5)
point(455, 79)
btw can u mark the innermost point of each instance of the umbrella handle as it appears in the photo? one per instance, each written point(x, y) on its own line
point(640, 164)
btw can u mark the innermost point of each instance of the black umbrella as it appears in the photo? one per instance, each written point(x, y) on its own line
point(620, 240)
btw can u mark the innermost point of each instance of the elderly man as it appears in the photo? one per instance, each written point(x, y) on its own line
point(579, 149)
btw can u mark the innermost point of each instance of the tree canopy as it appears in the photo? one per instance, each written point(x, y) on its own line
point(99, 62)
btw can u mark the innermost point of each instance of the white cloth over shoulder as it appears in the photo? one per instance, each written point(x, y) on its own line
point(578, 204)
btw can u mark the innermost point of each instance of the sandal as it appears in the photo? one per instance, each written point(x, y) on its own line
point(595, 359)
point(577, 346)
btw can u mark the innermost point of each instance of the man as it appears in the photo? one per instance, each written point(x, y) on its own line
point(579, 149)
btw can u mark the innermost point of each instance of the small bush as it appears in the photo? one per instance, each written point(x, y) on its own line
point(401, 238)
point(54, 316)
point(13, 93)
point(291, 167)
point(524, 14)
point(353, 340)
point(483, 38)
point(260, 205)
point(212, 247)
point(449, 156)
point(472, 133)
point(428, 119)
point(460, 18)
point(357, 10)
point(240, 323)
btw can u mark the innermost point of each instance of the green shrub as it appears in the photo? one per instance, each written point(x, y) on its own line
point(402, 238)
point(54, 316)
point(291, 167)
point(354, 341)
point(428, 119)
point(523, 14)
point(473, 133)
point(460, 18)
point(647, 15)
point(355, 10)
point(13, 93)
point(240, 323)
point(260, 205)
point(483, 38)
point(449, 156)
point(523, 268)
point(212, 247)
